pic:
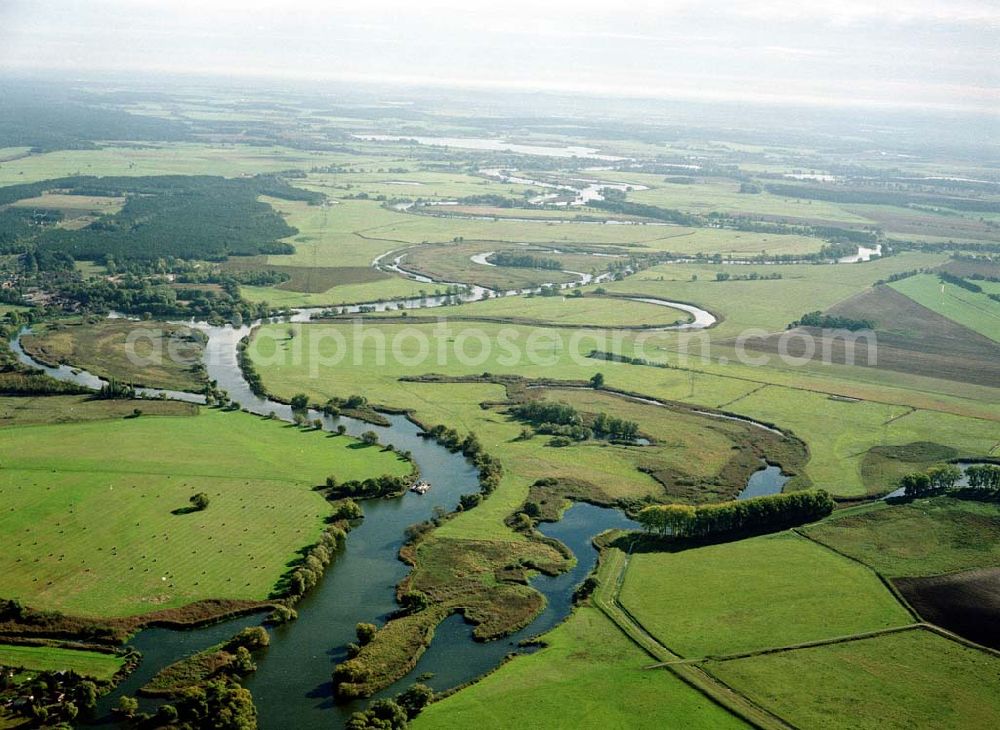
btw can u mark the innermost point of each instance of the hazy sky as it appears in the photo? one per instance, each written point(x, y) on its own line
point(908, 53)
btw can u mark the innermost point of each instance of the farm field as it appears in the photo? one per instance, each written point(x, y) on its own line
point(452, 262)
point(976, 311)
point(923, 538)
point(50, 409)
point(77, 210)
point(588, 674)
point(838, 432)
point(589, 311)
point(177, 158)
point(724, 196)
point(766, 304)
point(67, 551)
point(56, 659)
point(156, 355)
point(733, 598)
point(866, 618)
point(909, 679)
point(612, 469)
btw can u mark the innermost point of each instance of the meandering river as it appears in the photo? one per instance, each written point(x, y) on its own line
point(292, 685)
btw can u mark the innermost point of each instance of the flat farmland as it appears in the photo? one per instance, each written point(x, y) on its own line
point(976, 311)
point(158, 355)
point(589, 311)
point(762, 592)
point(56, 659)
point(923, 538)
point(910, 679)
point(589, 674)
point(67, 551)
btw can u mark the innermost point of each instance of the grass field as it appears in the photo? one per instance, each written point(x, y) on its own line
point(77, 210)
point(589, 675)
point(910, 679)
point(691, 449)
point(452, 262)
point(976, 311)
point(592, 311)
point(67, 551)
point(838, 433)
point(754, 594)
point(53, 659)
point(50, 409)
point(164, 159)
point(157, 355)
point(925, 537)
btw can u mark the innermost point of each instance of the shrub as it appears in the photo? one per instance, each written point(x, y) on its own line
point(365, 633)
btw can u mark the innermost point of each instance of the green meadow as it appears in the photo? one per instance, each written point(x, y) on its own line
point(922, 538)
point(974, 310)
point(588, 675)
point(910, 679)
point(89, 523)
point(764, 592)
point(56, 659)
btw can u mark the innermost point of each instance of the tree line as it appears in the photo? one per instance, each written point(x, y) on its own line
point(944, 477)
point(831, 321)
point(759, 514)
point(524, 261)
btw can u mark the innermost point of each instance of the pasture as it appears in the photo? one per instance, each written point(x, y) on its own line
point(588, 311)
point(588, 675)
point(909, 679)
point(67, 550)
point(974, 310)
point(763, 592)
point(94, 664)
point(156, 355)
point(370, 359)
point(922, 538)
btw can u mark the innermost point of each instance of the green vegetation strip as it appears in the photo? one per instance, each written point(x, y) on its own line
point(610, 576)
point(66, 549)
point(53, 659)
point(753, 594)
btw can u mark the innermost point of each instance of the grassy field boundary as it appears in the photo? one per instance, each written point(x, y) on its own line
point(611, 575)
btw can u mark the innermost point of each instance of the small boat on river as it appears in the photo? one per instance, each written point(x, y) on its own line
point(421, 487)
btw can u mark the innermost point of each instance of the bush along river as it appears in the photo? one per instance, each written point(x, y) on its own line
point(292, 686)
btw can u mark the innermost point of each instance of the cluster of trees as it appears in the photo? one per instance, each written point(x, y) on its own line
point(752, 276)
point(152, 295)
point(50, 698)
point(393, 714)
point(759, 514)
point(524, 261)
point(191, 216)
point(116, 390)
point(943, 477)
point(899, 276)
point(371, 488)
point(878, 197)
point(959, 282)
point(833, 322)
point(490, 470)
point(561, 419)
point(642, 210)
point(615, 357)
point(304, 576)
